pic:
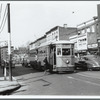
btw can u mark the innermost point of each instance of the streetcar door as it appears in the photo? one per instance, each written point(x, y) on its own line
point(52, 56)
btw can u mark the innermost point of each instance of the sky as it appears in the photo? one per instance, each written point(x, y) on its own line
point(31, 20)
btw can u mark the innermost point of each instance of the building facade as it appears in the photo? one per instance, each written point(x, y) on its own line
point(86, 38)
point(60, 33)
point(37, 42)
point(4, 53)
point(57, 33)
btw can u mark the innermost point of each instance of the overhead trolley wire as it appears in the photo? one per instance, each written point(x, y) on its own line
point(3, 24)
point(0, 11)
point(3, 20)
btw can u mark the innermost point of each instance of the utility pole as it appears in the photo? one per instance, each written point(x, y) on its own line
point(9, 44)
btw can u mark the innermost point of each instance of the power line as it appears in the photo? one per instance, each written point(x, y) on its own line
point(3, 24)
point(3, 20)
point(0, 11)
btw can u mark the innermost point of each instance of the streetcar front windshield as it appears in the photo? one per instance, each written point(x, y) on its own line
point(65, 51)
point(58, 51)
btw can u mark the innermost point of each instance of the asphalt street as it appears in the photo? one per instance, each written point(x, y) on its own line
point(81, 83)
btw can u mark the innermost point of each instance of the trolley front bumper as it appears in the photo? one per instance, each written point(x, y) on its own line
point(68, 68)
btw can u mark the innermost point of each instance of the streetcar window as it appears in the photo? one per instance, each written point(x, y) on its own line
point(58, 51)
point(65, 51)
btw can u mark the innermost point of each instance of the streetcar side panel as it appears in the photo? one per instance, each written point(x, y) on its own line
point(42, 53)
point(32, 58)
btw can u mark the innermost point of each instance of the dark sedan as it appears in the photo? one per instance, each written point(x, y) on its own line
point(80, 64)
point(88, 62)
point(92, 61)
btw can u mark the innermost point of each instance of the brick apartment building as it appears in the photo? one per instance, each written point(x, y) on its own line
point(55, 34)
point(60, 33)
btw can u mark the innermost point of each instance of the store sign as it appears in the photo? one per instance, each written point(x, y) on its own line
point(93, 46)
point(82, 43)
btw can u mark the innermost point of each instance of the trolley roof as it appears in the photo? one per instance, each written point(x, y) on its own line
point(56, 42)
point(62, 42)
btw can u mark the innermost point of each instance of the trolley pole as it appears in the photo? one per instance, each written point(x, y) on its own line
point(9, 44)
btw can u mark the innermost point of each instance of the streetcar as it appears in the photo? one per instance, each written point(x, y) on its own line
point(60, 56)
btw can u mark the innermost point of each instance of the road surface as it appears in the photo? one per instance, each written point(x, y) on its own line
point(81, 83)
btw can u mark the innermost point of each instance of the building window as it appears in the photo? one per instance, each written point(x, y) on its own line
point(93, 28)
point(83, 31)
point(79, 32)
point(88, 29)
point(52, 35)
point(97, 28)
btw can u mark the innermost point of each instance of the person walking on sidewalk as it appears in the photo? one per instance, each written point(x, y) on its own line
point(46, 65)
point(3, 65)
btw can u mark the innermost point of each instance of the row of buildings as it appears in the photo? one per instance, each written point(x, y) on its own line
point(86, 36)
point(18, 54)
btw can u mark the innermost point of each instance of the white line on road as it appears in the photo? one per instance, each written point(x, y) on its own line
point(87, 76)
point(83, 80)
point(70, 77)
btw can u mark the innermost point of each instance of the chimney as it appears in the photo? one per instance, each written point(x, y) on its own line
point(65, 25)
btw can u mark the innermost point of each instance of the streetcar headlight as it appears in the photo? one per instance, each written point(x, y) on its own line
point(67, 61)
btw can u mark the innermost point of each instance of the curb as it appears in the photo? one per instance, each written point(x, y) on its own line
point(10, 89)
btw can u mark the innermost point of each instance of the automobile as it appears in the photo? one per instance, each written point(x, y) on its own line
point(92, 62)
point(26, 63)
point(80, 63)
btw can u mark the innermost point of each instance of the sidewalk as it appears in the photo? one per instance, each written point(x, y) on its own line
point(6, 86)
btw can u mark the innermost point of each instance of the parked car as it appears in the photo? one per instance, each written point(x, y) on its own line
point(92, 61)
point(26, 63)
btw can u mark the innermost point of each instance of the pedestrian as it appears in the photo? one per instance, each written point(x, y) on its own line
point(51, 61)
point(45, 65)
point(3, 65)
point(36, 61)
